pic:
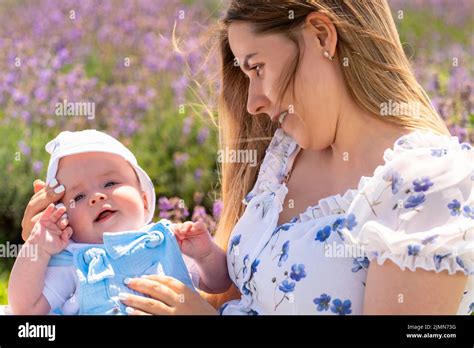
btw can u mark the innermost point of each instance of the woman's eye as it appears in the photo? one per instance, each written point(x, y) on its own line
point(78, 197)
point(257, 68)
point(110, 183)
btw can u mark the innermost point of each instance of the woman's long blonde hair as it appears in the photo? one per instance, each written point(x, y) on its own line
point(378, 72)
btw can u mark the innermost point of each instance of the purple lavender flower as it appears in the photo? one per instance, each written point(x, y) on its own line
point(164, 204)
point(203, 135)
point(199, 212)
point(37, 167)
point(459, 132)
point(25, 149)
point(217, 209)
point(187, 123)
point(179, 87)
point(198, 174)
point(180, 158)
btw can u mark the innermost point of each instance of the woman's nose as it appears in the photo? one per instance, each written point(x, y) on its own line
point(96, 198)
point(256, 102)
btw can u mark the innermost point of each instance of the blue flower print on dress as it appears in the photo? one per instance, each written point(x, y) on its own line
point(429, 239)
point(287, 286)
point(437, 260)
point(422, 185)
point(455, 207)
point(360, 263)
point(253, 267)
point(293, 220)
point(403, 142)
point(222, 308)
point(297, 272)
point(466, 146)
point(323, 234)
point(234, 242)
point(341, 308)
point(413, 250)
point(339, 223)
point(282, 227)
point(235, 251)
point(439, 152)
point(286, 226)
point(245, 289)
point(395, 179)
point(245, 261)
point(285, 248)
point(414, 201)
point(249, 197)
point(468, 211)
point(460, 262)
point(351, 222)
point(322, 302)
point(249, 286)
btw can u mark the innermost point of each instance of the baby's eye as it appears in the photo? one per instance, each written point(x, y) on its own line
point(110, 183)
point(78, 197)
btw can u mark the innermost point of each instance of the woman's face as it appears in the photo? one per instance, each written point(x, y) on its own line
point(318, 81)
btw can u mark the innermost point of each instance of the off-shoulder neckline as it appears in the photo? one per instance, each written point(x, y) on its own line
point(338, 203)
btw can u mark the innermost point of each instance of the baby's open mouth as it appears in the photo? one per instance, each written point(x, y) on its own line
point(104, 215)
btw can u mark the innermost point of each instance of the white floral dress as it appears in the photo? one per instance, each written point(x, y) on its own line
point(416, 210)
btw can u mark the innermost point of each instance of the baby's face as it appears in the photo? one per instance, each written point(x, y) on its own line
point(102, 195)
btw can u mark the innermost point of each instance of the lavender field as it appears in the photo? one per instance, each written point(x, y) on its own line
point(149, 69)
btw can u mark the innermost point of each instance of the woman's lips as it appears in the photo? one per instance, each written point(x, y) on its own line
point(105, 215)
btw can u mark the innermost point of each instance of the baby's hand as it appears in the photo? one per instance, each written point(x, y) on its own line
point(50, 232)
point(194, 239)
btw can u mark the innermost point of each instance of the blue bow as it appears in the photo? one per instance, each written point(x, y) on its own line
point(98, 264)
point(118, 244)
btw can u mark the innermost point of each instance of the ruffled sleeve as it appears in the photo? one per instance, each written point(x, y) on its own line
point(280, 152)
point(418, 209)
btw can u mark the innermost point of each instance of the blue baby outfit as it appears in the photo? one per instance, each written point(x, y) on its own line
point(102, 268)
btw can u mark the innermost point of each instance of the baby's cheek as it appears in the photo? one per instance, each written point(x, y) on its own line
point(77, 217)
point(129, 197)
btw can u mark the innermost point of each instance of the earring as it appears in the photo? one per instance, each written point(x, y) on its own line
point(328, 56)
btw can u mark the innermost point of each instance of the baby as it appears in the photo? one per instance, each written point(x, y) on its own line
point(100, 234)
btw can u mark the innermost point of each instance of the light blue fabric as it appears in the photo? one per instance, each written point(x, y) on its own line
point(102, 268)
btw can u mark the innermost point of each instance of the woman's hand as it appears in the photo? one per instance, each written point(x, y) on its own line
point(168, 296)
point(43, 196)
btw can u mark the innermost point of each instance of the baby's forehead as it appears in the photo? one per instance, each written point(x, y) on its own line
point(108, 159)
point(93, 164)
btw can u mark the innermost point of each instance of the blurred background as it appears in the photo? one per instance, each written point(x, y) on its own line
point(149, 68)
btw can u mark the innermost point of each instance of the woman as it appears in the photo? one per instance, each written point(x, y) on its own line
point(392, 190)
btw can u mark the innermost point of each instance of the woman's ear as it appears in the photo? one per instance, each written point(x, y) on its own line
point(321, 28)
